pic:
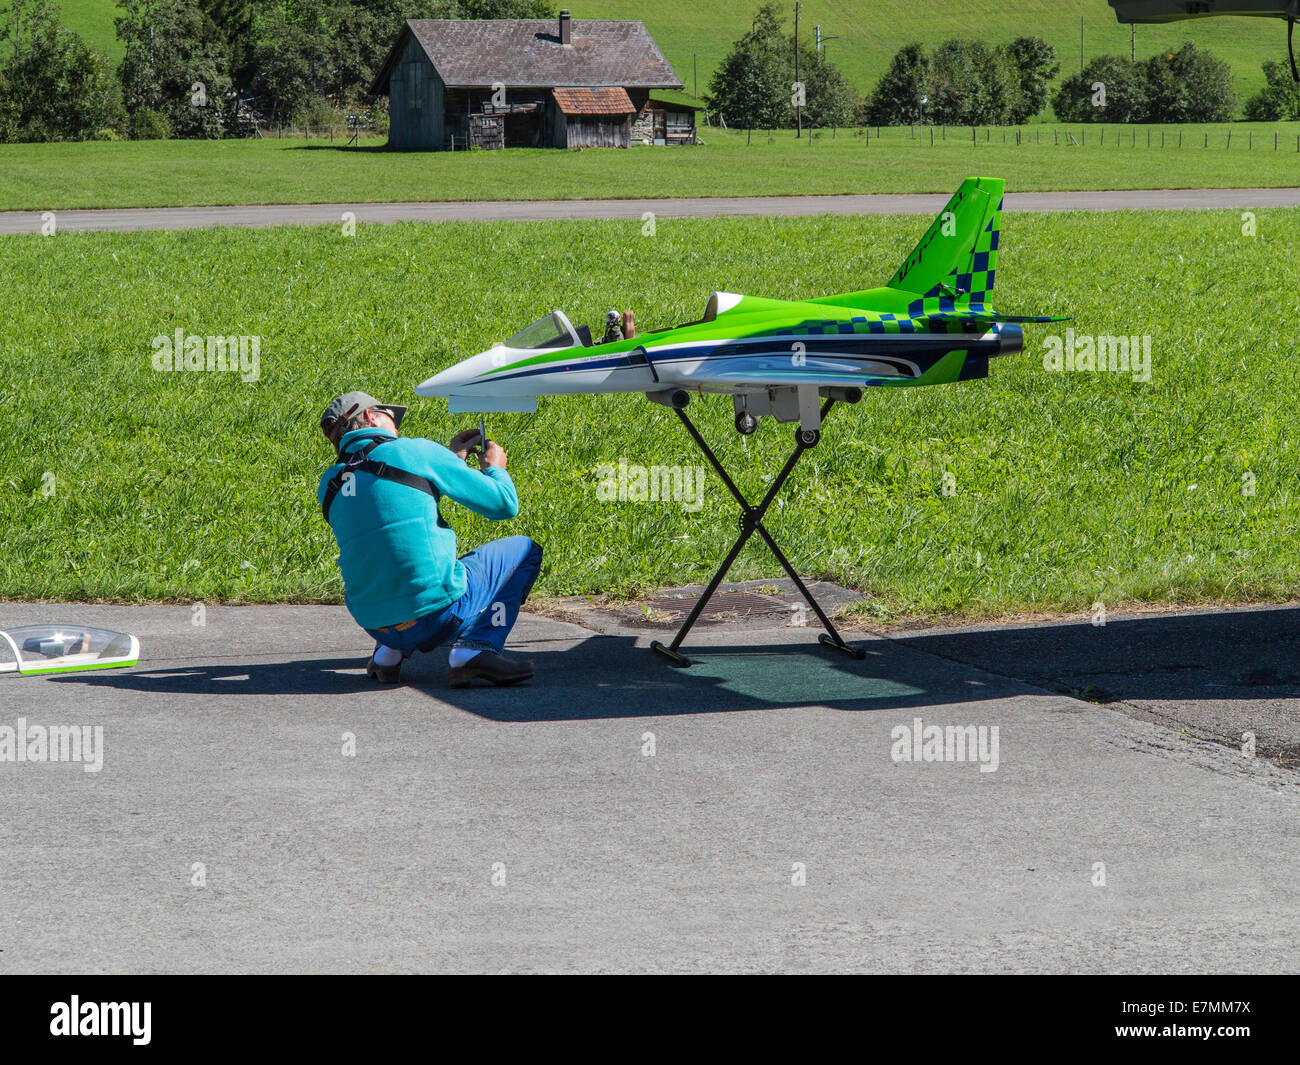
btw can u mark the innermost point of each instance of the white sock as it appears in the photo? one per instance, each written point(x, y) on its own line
point(458, 656)
point(387, 656)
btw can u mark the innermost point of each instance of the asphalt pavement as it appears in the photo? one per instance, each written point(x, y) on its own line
point(262, 215)
point(263, 807)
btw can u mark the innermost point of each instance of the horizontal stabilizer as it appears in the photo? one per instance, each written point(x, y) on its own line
point(986, 317)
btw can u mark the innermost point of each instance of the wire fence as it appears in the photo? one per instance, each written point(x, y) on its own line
point(1244, 138)
point(338, 131)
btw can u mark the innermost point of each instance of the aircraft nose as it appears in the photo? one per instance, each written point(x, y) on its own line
point(447, 381)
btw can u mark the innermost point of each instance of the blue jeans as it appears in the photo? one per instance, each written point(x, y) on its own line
point(499, 575)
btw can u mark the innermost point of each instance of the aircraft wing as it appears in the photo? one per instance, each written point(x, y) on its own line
point(780, 373)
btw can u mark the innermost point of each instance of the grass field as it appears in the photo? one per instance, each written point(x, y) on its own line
point(92, 20)
point(125, 483)
point(869, 33)
point(169, 173)
point(695, 36)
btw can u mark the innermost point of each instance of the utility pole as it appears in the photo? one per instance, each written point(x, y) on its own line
point(695, 74)
point(1133, 43)
point(1080, 44)
point(798, 111)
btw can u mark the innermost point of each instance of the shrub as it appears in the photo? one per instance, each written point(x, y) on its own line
point(52, 85)
point(1279, 100)
point(319, 113)
point(1110, 88)
point(148, 124)
point(897, 97)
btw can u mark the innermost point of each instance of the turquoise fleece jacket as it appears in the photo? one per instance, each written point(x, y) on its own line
point(396, 554)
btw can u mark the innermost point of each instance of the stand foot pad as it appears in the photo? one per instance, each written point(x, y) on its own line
point(853, 652)
point(674, 657)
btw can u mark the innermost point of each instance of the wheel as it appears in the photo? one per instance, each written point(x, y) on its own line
point(746, 423)
point(808, 437)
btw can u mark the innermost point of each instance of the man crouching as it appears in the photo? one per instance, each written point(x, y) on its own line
point(402, 580)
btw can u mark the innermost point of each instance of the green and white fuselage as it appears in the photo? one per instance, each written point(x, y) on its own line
point(931, 324)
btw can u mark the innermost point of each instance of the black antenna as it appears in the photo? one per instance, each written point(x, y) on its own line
point(1290, 47)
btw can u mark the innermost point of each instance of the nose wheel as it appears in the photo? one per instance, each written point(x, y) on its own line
point(746, 423)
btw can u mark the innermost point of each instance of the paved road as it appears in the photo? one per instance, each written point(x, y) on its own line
point(225, 747)
point(705, 207)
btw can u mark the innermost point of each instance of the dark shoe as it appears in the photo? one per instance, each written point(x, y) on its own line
point(489, 666)
point(383, 674)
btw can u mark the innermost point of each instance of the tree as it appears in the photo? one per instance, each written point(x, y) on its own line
point(175, 63)
point(897, 98)
point(307, 51)
point(1001, 98)
point(1036, 65)
point(1279, 100)
point(52, 85)
point(828, 99)
point(503, 9)
point(366, 30)
point(751, 88)
point(956, 85)
point(1110, 88)
point(233, 21)
point(292, 59)
point(1189, 85)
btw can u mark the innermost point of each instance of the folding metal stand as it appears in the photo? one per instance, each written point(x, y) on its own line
point(751, 521)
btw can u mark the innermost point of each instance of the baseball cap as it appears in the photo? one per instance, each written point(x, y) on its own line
point(351, 403)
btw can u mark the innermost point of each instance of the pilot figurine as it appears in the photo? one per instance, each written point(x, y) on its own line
point(613, 328)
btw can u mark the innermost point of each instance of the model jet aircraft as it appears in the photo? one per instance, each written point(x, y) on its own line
point(794, 360)
point(931, 324)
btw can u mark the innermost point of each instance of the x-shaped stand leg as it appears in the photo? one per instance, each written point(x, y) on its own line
point(751, 521)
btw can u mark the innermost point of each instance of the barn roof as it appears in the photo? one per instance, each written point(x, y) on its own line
point(594, 101)
point(527, 53)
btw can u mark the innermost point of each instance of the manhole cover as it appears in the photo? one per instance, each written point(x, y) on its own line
point(722, 605)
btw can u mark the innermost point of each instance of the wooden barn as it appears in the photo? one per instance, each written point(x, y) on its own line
point(568, 83)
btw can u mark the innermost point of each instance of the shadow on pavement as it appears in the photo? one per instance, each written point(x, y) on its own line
point(311, 676)
point(1242, 654)
point(1228, 675)
point(1212, 674)
point(605, 677)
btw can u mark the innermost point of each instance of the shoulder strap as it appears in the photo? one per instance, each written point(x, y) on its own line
point(357, 462)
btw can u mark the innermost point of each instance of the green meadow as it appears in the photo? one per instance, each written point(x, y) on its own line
point(1031, 490)
point(196, 173)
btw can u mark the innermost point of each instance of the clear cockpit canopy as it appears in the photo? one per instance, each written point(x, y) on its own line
point(52, 648)
point(553, 331)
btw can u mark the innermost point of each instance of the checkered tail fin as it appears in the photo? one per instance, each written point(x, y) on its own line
point(958, 255)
